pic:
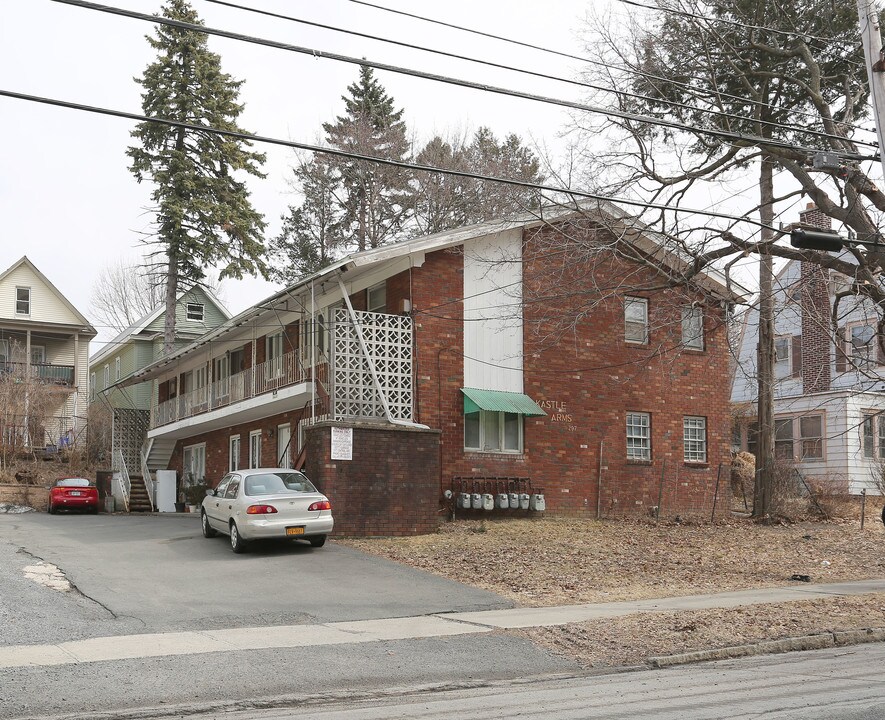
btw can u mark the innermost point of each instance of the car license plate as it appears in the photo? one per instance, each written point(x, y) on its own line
point(76, 493)
point(295, 530)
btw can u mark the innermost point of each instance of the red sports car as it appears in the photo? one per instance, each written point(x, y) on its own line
point(73, 493)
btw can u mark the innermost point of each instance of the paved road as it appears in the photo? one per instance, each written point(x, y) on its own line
point(845, 684)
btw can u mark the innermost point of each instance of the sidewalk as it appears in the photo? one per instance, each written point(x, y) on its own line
point(402, 628)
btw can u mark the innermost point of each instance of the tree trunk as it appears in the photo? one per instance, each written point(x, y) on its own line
point(765, 459)
point(171, 293)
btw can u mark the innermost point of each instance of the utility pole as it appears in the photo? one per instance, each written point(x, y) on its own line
point(762, 489)
point(868, 15)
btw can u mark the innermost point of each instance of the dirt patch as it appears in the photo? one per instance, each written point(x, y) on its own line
point(631, 640)
point(550, 561)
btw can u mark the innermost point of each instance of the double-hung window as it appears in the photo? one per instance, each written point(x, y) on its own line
point(234, 461)
point(376, 298)
point(694, 438)
point(274, 356)
point(693, 327)
point(862, 345)
point(23, 301)
point(636, 320)
point(782, 350)
point(811, 437)
point(255, 449)
point(195, 312)
point(492, 431)
point(638, 436)
point(117, 369)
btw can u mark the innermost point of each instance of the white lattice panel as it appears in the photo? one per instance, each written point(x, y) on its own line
point(389, 343)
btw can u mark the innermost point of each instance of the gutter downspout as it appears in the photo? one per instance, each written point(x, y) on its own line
point(371, 363)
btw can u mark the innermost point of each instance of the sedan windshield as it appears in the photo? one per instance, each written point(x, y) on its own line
point(275, 483)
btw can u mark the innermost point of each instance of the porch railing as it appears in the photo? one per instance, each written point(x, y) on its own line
point(263, 378)
point(46, 372)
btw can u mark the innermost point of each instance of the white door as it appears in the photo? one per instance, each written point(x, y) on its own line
point(284, 446)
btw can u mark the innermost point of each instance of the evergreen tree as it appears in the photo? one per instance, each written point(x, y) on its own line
point(374, 198)
point(444, 201)
point(309, 237)
point(203, 213)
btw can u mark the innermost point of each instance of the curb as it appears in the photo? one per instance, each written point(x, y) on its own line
point(819, 641)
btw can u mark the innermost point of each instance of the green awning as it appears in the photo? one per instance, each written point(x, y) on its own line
point(499, 401)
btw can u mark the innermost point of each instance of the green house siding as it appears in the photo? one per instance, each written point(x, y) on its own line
point(138, 351)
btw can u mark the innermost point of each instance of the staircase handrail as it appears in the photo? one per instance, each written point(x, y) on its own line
point(124, 482)
point(148, 482)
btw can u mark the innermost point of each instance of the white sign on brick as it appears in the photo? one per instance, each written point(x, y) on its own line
point(342, 443)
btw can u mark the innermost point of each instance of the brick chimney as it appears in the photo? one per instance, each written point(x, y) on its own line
point(815, 309)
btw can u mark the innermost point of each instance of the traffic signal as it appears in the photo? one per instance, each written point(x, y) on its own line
point(815, 240)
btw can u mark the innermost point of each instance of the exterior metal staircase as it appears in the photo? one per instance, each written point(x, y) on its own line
point(158, 452)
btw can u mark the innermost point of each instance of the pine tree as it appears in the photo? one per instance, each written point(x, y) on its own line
point(309, 237)
point(375, 198)
point(203, 213)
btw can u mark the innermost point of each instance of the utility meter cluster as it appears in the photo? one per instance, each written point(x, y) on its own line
point(496, 494)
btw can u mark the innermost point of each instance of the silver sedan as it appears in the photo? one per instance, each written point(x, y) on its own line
point(266, 503)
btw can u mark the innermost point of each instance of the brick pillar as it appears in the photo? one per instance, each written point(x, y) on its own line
point(815, 308)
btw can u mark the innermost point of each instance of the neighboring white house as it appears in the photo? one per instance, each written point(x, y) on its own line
point(42, 333)
point(829, 386)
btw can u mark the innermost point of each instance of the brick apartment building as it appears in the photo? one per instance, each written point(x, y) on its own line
point(563, 354)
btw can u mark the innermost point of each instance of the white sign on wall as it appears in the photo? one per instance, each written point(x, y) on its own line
point(342, 443)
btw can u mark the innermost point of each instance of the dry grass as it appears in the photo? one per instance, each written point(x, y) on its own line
point(631, 640)
point(550, 561)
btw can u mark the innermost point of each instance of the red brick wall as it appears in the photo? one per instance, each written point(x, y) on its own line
point(589, 377)
point(390, 487)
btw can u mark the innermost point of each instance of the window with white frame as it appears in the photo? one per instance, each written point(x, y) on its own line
point(92, 386)
point(194, 462)
point(23, 301)
point(636, 320)
point(873, 434)
point(694, 439)
point(638, 436)
point(234, 455)
point(491, 431)
point(4, 351)
point(273, 356)
point(195, 312)
point(811, 437)
point(255, 449)
point(38, 354)
point(376, 298)
point(862, 345)
point(117, 369)
point(782, 349)
point(693, 327)
point(107, 377)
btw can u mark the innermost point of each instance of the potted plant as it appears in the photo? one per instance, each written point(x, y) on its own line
point(195, 494)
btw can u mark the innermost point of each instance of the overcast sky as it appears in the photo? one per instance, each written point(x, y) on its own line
point(67, 198)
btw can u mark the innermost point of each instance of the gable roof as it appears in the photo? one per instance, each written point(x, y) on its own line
point(24, 261)
point(145, 321)
point(647, 241)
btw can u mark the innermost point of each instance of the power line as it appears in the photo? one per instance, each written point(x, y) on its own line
point(249, 137)
point(736, 137)
point(534, 73)
point(589, 61)
point(726, 21)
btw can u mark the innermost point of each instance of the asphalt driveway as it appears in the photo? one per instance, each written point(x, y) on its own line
point(157, 573)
